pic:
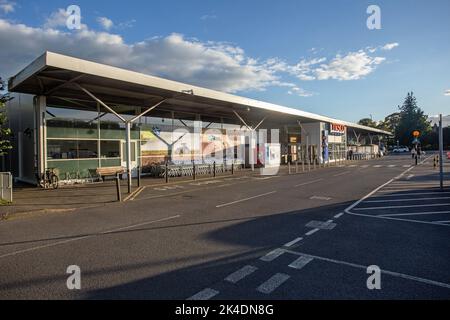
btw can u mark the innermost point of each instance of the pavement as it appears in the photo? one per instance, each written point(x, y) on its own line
point(310, 235)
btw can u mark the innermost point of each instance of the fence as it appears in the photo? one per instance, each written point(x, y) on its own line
point(6, 186)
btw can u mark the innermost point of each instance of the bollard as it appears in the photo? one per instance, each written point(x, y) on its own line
point(166, 173)
point(289, 167)
point(296, 166)
point(303, 164)
point(232, 167)
point(129, 181)
point(214, 169)
point(139, 176)
point(119, 194)
point(193, 170)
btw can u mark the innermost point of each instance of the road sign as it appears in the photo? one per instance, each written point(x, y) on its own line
point(416, 133)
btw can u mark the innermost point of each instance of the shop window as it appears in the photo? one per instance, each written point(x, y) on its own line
point(71, 149)
point(110, 149)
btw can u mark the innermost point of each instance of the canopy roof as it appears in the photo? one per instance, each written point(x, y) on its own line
point(58, 76)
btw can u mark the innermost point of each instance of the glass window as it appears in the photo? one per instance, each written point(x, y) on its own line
point(110, 149)
point(71, 149)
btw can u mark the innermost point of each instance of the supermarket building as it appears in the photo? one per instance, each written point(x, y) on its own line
point(76, 115)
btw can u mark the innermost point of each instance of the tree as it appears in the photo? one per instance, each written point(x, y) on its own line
point(5, 131)
point(390, 123)
point(367, 122)
point(411, 118)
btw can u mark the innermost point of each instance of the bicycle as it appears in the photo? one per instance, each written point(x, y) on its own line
point(48, 179)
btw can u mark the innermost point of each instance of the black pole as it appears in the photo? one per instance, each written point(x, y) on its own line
point(214, 169)
point(166, 173)
point(139, 176)
point(119, 194)
point(193, 170)
point(232, 167)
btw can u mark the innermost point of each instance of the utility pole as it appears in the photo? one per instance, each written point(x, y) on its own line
point(441, 154)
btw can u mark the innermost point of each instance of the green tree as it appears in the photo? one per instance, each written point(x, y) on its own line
point(367, 122)
point(411, 118)
point(5, 131)
point(390, 122)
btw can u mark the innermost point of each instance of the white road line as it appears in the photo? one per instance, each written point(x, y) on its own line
point(272, 255)
point(341, 174)
point(352, 165)
point(339, 215)
point(241, 274)
point(377, 166)
point(140, 224)
point(399, 207)
point(246, 199)
point(312, 231)
point(320, 198)
point(291, 243)
point(413, 213)
point(273, 283)
point(409, 176)
point(365, 166)
point(399, 200)
point(349, 208)
point(392, 165)
point(391, 273)
point(81, 238)
point(445, 221)
point(306, 183)
point(300, 262)
point(398, 219)
point(406, 166)
point(205, 294)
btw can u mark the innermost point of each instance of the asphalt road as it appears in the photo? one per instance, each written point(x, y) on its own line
point(302, 236)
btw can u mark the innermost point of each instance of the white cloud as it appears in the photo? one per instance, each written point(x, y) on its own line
point(389, 46)
point(352, 66)
point(57, 19)
point(447, 92)
point(105, 23)
point(7, 6)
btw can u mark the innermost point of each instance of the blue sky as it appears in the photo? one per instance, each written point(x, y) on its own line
point(317, 56)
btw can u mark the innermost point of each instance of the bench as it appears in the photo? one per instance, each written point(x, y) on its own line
point(110, 171)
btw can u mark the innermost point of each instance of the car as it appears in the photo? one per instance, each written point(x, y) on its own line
point(400, 149)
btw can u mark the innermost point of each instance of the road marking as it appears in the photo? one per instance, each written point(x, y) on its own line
point(312, 231)
point(340, 174)
point(445, 221)
point(79, 238)
point(353, 205)
point(377, 166)
point(398, 200)
point(398, 219)
point(273, 283)
point(320, 198)
point(339, 215)
point(328, 225)
point(140, 224)
point(300, 262)
point(137, 193)
point(246, 199)
point(413, 213)
point(352, 165)
point(306, 183)
point(205, 294)
point(241, 274)
point(399, 207)
point(391, 273)
point(409, 176)
point(272, 255)
point(291, 243)
point(392, 165)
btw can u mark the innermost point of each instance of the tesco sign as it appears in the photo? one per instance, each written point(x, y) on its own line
point(337, 129)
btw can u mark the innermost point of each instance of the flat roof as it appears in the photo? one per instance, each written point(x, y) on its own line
point(55, 75)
